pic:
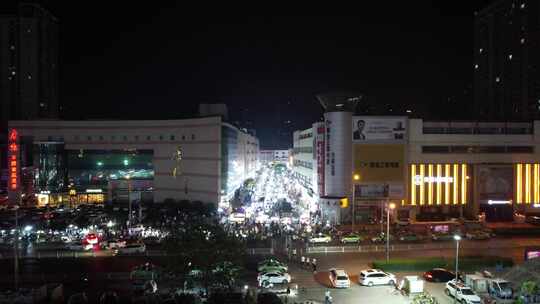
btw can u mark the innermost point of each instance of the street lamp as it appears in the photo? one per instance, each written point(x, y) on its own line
point(15, 249)
point(457, 238)
point(356, 177)
point(391, 206)
point(129, 199)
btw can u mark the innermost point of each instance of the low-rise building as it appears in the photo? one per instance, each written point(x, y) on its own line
point(203, 159)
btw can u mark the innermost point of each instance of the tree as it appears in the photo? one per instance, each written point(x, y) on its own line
point(200, 243)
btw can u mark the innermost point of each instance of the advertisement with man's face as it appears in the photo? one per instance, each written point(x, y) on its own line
point(368, 128)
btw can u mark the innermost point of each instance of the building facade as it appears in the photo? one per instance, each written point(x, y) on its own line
point(203, 159)
point(507, 60)
point(431, 170)
point(275, 156)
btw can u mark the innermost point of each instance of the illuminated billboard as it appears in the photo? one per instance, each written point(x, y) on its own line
point(380, 168)
point(380, 129)
point(13, 160)
point(439, 184)
point(527, 183)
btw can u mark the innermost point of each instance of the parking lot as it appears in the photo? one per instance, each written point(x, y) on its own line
point(317, 285)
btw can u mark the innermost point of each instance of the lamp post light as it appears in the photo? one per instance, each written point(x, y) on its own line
point(390, 206)
point(457, 238)
point(356, 177)
point(129, 199)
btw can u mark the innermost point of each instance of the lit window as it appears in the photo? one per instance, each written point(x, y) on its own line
point(13, 73)
point(522, 40)
point(476, 66)
point(497, 79)
point(41, 104)
point(481, 50)
point(522, 6)
point(29, 76)
point(12, 47)
point(510, 57)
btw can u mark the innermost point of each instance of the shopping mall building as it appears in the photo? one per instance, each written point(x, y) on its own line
point(430, 170)
point(200, 159)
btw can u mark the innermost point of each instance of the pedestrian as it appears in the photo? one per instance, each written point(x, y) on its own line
point(307, 262)
point(294, 254)
point(314, 264)
point(303, 259)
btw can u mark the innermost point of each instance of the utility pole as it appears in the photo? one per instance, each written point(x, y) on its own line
point(15, 249)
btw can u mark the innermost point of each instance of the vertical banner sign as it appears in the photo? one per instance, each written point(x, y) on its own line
point(13, 160)
point(320, 151)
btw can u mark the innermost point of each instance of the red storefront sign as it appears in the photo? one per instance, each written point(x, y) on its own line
point(13, 161)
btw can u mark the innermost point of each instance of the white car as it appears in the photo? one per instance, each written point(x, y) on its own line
point(132, 249)
point(339, 278)
point(462, 293)
point(321, 238)
point(372, 277)
point(273, 277)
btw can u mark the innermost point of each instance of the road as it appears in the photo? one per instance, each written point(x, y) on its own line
point(487, 246)
point(114, 270)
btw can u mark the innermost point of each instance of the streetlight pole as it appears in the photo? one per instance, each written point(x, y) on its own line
point(15, 250)
point(390, 206)
point(129, 200)
point(355, 178)
point(457, 238)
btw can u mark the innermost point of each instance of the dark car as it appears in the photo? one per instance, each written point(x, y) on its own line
point(533, 219)
point(439, 275)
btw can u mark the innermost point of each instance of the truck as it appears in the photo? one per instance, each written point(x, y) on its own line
point(484, 283)
point(500, 288)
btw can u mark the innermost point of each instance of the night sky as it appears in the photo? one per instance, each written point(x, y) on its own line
point(142, 61)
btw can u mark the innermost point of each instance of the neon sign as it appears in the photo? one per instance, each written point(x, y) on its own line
point(432, 179)
point(13, 161)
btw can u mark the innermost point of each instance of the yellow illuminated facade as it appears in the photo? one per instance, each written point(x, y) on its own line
point(439, 184)
point(527, 183)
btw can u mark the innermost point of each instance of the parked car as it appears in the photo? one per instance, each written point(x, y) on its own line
point(411, 237)
point(442, 236)
point(533, 219)
point(351, 238)
point(321, 238)
point(79, 246)
point(462, 293)
point(339, 278)
point(273, 277)
point(132, 249)
point(439, 275)
point(370, 277)
point(381, 238)
point(477, 235)
point(271, 265)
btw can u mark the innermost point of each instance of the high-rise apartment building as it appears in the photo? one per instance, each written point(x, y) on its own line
point(507, 60)
point(28, 70)
point(28, 65)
